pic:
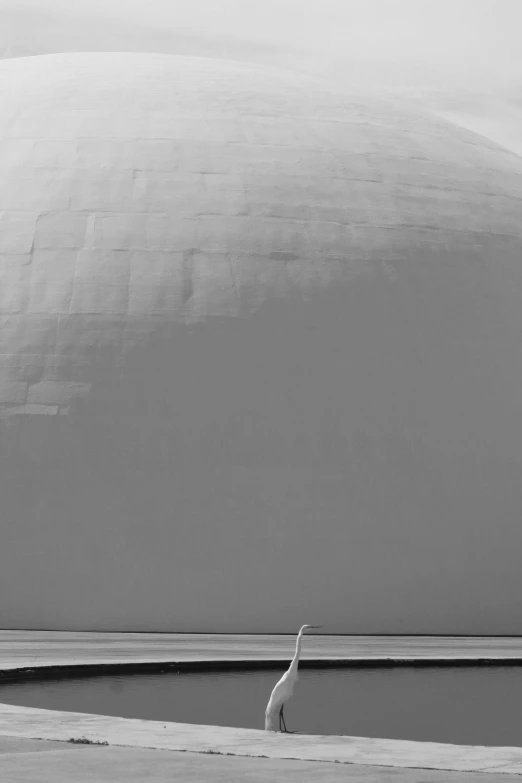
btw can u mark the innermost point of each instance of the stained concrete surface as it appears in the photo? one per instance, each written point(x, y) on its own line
point(118, 765)
point(26, 649)
point(13, 745)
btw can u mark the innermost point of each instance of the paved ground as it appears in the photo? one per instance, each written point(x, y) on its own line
point(37, 648)
point(11, 745)
point(133, 733)
point(56, 764)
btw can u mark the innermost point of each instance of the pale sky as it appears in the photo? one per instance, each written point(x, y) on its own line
point(488, 31)
point(470, 34)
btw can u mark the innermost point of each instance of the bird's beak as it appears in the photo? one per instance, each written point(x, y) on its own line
point(315, 626)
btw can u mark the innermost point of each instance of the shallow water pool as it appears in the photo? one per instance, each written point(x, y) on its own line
point(462, 705)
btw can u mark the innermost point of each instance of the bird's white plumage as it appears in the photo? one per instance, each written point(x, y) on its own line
point(284, 688)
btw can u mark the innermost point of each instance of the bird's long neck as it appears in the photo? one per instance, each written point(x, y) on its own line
point(295, 659)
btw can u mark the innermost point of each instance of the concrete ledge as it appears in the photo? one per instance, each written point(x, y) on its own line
point(28, 649)
point(22, 722)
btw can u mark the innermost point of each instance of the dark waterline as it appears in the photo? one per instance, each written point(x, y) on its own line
point(464, 705)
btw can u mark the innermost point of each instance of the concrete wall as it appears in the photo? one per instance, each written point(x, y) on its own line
point(260, 356)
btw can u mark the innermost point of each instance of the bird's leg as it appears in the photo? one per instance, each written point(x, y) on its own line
point(282, 718)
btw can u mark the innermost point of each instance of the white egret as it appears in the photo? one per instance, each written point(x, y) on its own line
point(274, 717)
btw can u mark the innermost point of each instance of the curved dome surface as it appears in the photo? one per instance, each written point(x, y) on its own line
point(260, 355)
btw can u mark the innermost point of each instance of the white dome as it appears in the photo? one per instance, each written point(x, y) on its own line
point(253, 329)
